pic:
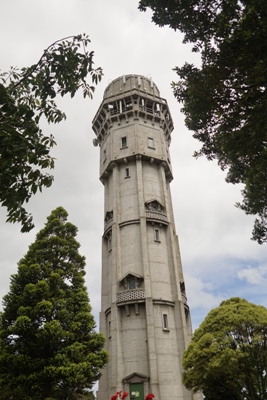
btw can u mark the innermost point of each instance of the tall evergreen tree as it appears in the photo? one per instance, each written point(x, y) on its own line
point(49, 346)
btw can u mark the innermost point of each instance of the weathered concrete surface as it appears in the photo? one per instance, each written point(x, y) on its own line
point(144, 311)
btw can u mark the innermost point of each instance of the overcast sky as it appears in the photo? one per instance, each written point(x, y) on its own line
point(219, 259)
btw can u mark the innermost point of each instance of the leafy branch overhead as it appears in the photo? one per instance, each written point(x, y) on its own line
point(26, 95)
point(224, 100)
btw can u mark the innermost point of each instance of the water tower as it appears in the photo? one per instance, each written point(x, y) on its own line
point(144, 312)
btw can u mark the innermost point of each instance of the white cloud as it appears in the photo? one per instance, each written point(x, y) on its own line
point(200, 294)
point(254, 276)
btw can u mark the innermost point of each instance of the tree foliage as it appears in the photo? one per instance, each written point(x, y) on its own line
point(48, 344)
point(227, 357)
point(26, 95)
point(225, 100)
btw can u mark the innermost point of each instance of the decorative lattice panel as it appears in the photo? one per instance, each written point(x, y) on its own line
point(156, 215)
point(133, 294)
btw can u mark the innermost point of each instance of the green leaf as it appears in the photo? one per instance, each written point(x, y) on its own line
point(26, 96)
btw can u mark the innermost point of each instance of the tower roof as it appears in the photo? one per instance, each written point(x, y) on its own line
point(127, 83)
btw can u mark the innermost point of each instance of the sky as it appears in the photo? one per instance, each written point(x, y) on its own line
point(219, 259)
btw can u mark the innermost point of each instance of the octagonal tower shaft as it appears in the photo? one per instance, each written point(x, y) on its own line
point(144, 313)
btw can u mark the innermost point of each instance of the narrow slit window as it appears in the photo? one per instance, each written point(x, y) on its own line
point(109, 329)
point(123, 142)
point(150, 143)
point(156, 235)
point(165, 321)
point(127, 173)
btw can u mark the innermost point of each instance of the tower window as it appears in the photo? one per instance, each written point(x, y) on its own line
point(156, 235)
point(154, 206)
point(109, 329)
point(123, 142)
point(150, 143)
point(149, 107)
point(104, 155)
point(127, 173)
point(165, 322)
point(131, 282)
point(108, 216)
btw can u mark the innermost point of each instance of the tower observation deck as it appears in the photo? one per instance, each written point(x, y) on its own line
point(144, 312)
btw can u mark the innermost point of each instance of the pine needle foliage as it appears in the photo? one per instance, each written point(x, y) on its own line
point(49, 346)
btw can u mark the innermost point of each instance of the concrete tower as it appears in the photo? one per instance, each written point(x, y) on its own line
point(144, 313)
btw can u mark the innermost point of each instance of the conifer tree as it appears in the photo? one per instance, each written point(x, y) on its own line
point(49, 346)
